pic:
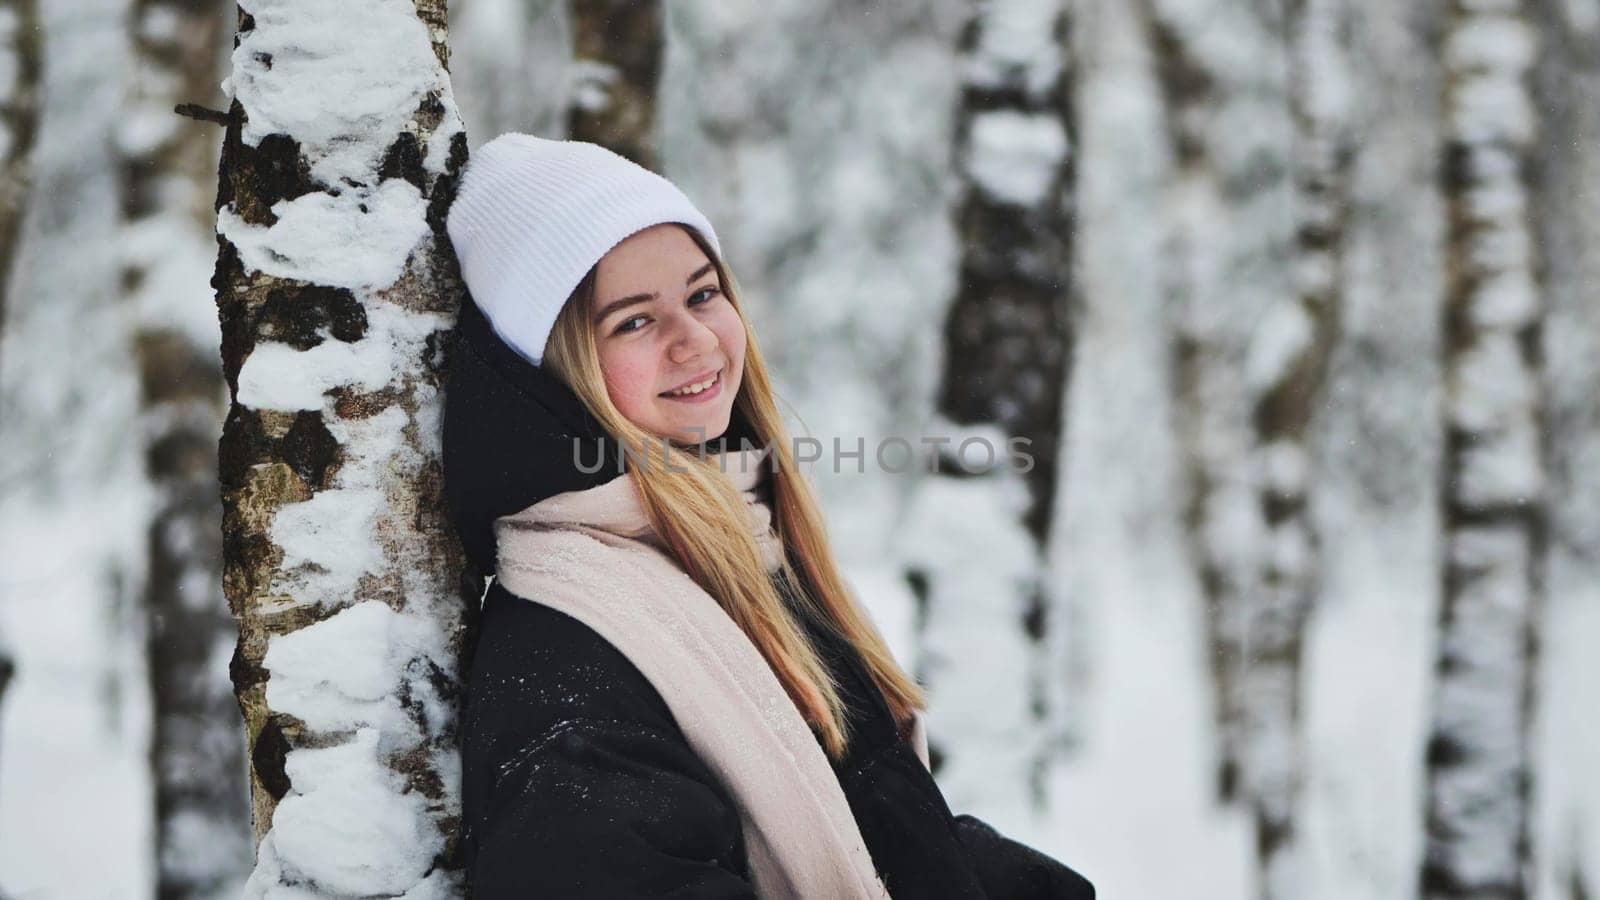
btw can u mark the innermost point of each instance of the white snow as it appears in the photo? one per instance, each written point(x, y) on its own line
point(1505, 300)
point(966, 537)
point(332, 535)
point(1491, 106)
point(344, 79)
point(278, 376)
point(159, 24)
point(142, 129)
point(1492, 43)
point(1492, 385)
point(177, 257)
point(1019, 38)
point(355, 240)
point(1015, 156)
point(1283, 336)
point(339, 670)
point(197, 847)
point(346, 827)
point(591, 88)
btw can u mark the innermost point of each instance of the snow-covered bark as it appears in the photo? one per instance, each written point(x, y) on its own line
point(617, 70)
point(168, 169)
point(21, 56)
point(1288, 360)
point(510, 65)
point(20, 53)
point(1006, 357)
point(1225, 92)
point(1493, 473)
point(1239, 324)
point(337, 291)
point(1566, 795)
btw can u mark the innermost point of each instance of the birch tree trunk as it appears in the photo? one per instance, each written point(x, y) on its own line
point(168, 170)
point(618, 45)
point(1494, 521)
point(22, 54)
point(337, 290)
point(1007, 354)
point(1232, 129)
point(1291, 352)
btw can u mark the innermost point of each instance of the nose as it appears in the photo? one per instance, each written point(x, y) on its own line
point(690, 340)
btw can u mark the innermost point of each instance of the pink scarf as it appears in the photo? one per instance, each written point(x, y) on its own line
point(593, 555)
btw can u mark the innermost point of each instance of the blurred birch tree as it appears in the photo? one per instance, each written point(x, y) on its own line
point(21, 54)
point(1008, 339)
point(1494, 512)
point(1228, 104)
point(168, 170)
point(617, 50)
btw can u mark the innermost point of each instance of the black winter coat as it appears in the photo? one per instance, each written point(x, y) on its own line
point(577, 782)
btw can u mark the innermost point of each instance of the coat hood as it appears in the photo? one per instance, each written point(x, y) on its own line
point(514, 435)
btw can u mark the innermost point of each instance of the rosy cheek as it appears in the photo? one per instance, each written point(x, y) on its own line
point(628, 383)
point(732, 337)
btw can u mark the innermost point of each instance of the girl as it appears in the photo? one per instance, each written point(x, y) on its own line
point(674, 693)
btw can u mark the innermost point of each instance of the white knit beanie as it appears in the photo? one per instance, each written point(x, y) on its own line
point(532, 216)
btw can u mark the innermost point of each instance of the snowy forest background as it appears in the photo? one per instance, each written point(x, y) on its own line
point(1298, 301)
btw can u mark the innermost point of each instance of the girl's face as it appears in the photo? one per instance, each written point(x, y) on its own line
point(662, 324)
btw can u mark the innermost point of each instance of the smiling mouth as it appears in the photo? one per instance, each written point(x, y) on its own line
point(715, 383)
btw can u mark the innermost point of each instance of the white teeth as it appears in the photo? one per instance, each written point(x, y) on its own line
point(694, 388)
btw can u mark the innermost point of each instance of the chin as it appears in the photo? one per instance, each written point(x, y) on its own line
point(714, 429)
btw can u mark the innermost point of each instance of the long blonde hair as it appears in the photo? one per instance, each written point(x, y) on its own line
point(702, 517)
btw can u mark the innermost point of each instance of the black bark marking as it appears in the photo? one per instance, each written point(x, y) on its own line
point(239, 448)
point(267, 756)
point(311, 450)
point(404, 160)
point(444, 193)
point(297, 314)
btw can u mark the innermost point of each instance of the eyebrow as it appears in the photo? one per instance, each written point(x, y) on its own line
point(633, 299)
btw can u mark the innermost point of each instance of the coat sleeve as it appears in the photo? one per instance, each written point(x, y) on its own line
point(1009, 869)
point(1006, 867)
point(607, 809)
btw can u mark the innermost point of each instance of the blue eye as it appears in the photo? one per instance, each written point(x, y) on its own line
point(708, 293)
